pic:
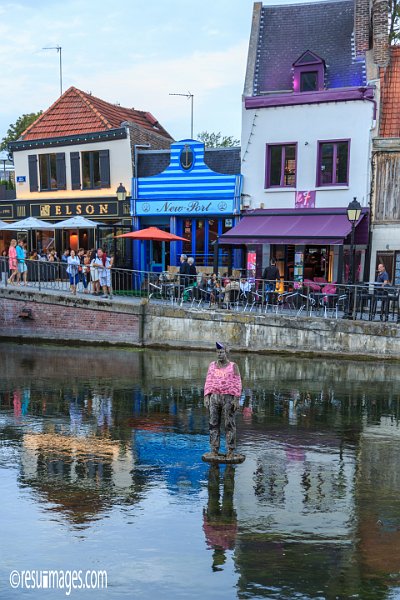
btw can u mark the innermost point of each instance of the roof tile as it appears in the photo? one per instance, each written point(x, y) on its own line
point(390, 96)
point(77, 112)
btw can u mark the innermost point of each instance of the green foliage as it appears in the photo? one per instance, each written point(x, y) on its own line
point(217, 140)
point(394, 21)
point(9, 184)
point(16, 129)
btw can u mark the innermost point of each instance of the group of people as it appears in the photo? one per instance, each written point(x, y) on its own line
point(217, 289)
point(90, 268)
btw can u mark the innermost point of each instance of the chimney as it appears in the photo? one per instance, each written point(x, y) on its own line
point(361, 26)
point(380, 32)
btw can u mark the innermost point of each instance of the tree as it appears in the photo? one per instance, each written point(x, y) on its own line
point(15, 130)
point(217, 140)
point(394, 21)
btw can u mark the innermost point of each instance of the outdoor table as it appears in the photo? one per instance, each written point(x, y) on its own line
point(319, 296)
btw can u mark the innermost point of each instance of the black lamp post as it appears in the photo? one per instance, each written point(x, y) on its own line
point(353, 215)
point(121, 193)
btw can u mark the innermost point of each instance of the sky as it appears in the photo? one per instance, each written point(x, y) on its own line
point(131, 52)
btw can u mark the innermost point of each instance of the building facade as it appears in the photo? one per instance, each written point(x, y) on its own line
point(190, 191)
point(385, 222)
point(309, 111)
point(71, 161)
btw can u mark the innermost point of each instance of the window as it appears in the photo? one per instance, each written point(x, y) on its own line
point(91, 170)
point(308, 73)
point(333, 163)
point(308, 81)
point(281, 165)
point(48, 171)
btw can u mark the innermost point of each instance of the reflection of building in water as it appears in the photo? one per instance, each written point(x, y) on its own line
point(293, 499)
point(102, 409)
point(378, 507)
point(79, 475)
point(219, 518)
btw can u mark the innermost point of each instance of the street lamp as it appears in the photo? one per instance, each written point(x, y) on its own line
point(121, 193)
point(353, 215)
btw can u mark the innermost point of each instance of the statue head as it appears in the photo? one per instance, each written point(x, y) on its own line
point(222, 352)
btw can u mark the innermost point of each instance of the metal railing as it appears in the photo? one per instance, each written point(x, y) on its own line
point(363, 301)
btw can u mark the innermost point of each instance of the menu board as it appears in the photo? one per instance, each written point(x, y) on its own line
point(298, 266)
point(397, 269)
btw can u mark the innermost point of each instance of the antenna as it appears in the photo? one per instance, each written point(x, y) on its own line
point(59, 50)
point(191, 96)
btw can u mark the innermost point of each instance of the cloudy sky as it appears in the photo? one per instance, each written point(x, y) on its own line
point(134, 52)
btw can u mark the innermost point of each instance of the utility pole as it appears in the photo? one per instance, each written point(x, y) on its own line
point(190, 96)
point(59, 51)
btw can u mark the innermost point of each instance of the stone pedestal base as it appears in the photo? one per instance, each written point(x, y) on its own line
point(210, 457)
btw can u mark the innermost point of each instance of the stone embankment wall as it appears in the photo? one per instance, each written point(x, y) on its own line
point(65, 318)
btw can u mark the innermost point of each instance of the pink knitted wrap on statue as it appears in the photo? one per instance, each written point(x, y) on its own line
point(223, 380)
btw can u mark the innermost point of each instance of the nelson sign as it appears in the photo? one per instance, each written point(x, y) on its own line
point(73, 209)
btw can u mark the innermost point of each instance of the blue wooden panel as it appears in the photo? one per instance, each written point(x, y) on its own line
point(176, 190)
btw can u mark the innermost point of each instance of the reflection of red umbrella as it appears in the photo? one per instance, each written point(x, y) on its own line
point(154, 234)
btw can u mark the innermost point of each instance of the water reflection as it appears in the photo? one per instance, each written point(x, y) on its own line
point(108, 457)
point(220, 519)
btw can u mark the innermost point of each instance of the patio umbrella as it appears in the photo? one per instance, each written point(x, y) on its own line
point(3, 224)
point(77, 223)
point(28, 224)
point(152, 234)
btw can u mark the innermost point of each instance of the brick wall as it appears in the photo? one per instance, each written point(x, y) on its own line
point(60, 321)
point(361, 26)
point(380, 28)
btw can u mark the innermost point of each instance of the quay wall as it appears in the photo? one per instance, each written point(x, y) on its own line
point(30, 315)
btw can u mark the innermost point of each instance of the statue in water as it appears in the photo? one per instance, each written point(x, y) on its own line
point(222, 392)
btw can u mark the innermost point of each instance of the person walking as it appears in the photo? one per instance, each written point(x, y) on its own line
point(73, 271)
point(12, 261)
point(21, 260)
point(271, 277)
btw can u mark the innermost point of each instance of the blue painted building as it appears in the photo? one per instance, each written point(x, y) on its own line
point(190, 191)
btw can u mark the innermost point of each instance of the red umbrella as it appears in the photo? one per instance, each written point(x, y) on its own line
point(154, 234)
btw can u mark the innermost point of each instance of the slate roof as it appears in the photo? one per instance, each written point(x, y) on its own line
point(77, 112)
point(390, 96)
point(325, 28)
point(221, 160)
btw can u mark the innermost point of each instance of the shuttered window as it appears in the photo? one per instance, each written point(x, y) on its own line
point(75, 170)
point(33, 173)
point(52, 171)
point(95, 169)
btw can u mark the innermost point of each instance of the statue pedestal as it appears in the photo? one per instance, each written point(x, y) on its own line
point(210, 457)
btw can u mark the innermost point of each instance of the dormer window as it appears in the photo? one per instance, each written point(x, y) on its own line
point(308, 73)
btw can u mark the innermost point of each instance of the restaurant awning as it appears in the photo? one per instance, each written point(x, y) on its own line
point(286, 226)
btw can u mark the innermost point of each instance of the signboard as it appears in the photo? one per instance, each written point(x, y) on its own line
point(73, 209)
point(305, 199)
point(6, 211)
point(184, 207)
point(298, 266)
point(21, 179)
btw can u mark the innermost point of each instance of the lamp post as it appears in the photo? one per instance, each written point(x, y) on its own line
point(353, 215)
point(121, 193)
point(59, 51)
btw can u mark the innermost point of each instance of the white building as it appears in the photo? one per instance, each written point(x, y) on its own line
point(309, 110)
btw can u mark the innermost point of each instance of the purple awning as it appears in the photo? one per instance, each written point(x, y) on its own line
point(294, 227)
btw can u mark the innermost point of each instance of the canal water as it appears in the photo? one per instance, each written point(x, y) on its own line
point(100, 469)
